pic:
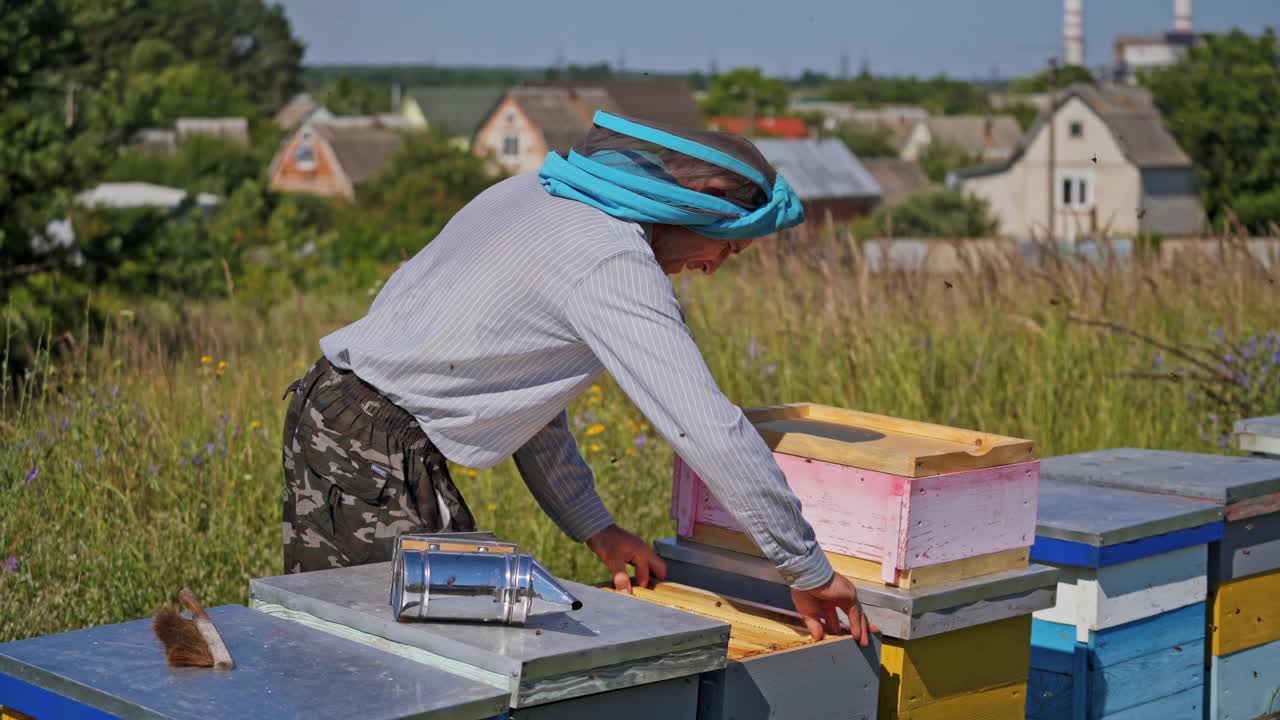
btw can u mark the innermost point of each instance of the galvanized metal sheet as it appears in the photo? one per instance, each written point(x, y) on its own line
point(618, 640)
point(282, 670)
point(1109, 516)
point(1221, 479)
point(675, 699)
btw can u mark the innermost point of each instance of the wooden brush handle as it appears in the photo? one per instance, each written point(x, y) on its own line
point(221, 657)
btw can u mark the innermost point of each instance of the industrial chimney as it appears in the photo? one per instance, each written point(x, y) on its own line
point(1073, 31)
point(1182, 16)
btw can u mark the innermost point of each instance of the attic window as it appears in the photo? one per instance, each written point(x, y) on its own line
point(510, 146)
point(1077, 129)
point(304, 156)
point(511, 117)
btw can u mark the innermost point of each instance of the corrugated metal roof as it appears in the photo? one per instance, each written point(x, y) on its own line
point(459, 110)
point(819, 169)
point(139, 194)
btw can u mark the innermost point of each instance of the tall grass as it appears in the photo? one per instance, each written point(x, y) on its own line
point(147, 457)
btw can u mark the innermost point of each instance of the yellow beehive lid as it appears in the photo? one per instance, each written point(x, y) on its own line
point(878, 442)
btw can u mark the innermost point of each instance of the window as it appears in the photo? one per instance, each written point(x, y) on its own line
point(511, 117)
point(510, 146)
point(304, 155)
point(1076, 191)
point(1076, 128)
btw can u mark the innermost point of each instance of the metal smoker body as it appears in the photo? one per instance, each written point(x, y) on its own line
point(436, 577)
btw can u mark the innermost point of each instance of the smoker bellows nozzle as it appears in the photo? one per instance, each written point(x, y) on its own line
point(437, 577)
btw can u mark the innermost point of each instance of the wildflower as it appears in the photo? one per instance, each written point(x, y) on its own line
point(35, 470)
point(198, 459)
point(182, 462)
point(593, 447)
point(97, 454)
point(770, 369)
point(631, 451)
point(235, 431)
point(752, 349)
point(205, 359)
point(1157, 361)
point(596, 389)
point(641, 439)
point(593, 400)
point(222, 364)
point(11, 564)
point(255, 424)
point(208, 448)
point(590, 416)
point(470, 473)
point(595, 429)
point(577, 422)
point(64, 423)
point(492, 506)
point(115, 392)
point(217, 373)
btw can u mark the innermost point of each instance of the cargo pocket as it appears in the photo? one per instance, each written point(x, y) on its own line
point(353, 489)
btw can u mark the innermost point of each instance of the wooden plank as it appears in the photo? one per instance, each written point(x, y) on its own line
point(1063, 552)
point(1186, 705)
point(856, 512)
point(1177, 629)
point(869, 571)
point(1248, 547)
point(879, 442)
point(1100, 598)
point(1101, 516)
point(1266, 446)
point(1050, 695)
point(1246, 684)
point(1053, 646)
point(1002, 703)
point(675, 699)
point(1246, 613)
point(1145, 679)
point(919, 672)
point(1221, 479)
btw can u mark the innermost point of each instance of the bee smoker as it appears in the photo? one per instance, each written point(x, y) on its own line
point(438, 577)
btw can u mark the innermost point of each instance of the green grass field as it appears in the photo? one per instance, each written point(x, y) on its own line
point(147, 457)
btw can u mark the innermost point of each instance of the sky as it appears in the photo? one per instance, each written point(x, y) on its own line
point(974, 39)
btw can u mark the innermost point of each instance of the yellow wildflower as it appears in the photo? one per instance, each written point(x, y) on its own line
point(596, 389)
point(631, 451)
point(593, 400)
point(595, 429)
point(217, 373)
point(255, 424)
point(644, 427)
point(493, 506)
point(469, 472)
point(593, 448)
point(222, 364)
point(205, 359)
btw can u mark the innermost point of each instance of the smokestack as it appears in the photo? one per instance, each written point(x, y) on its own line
point(1073, 32)
point(1182, 16)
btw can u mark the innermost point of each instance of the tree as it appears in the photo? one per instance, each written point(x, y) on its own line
point(936, 214)
point(939, 95)
point(937, 159)
point(350, 96)
point(1038, 83)
point(867, 141)
point(1221, 103)
point(736, 92)
point(185, 90)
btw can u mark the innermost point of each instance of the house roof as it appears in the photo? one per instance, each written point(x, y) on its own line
point(791, 128)
point(819, 169)
point(666, 100)
point(460, 110)
point(989, 134)
point(139, 194)
point(361, 150)
point(898, 179)
point(234, 128)
point(562, 115)
point(298, 108)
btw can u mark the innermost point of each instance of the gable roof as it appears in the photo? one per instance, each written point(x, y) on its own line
point(563, 115)
point(666, 100)
point(898, 178)
point(992, 135)
point(819, 169)
point(460, 110)
point(361, 150)
point(298, 108)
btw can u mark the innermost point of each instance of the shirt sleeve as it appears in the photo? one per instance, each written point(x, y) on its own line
point(561, 481)
point(628, 314)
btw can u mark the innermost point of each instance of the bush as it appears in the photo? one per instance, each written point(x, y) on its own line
point(934, 214)
point(937, 159)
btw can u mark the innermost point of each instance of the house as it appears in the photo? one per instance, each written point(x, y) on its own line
point(898, 179)
point(1116, 169)
point(824, 175)
point(333, 159)
point(458, 111)
point(897, 119)
point(530, 122)
point(299, 109)
point(790, 128)
point(126, 195)
point(1143, 52)
point(155, 140)
point(229, 129)
point(662, 100)
point(989, 137)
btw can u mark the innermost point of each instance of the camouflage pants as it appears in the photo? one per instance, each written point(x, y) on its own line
point(358, 472)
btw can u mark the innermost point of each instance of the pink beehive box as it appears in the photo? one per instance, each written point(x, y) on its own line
point(902, 502)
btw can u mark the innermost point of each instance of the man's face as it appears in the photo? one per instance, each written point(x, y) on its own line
point(679, 248)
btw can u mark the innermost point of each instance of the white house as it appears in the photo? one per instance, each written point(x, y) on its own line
point(1117, 170)
point(990, 137)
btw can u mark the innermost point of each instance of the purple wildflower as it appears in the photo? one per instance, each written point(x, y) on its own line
point(641, 439)
point(577, 422)
point(97, 454)
point(1219, 334)
point(1157, 361)
point(770, 369)
point(235, 431)
point(590, 416)
point(35, 470)
point(64, 423)
point(11, 564)
point(208, 448)
point(752, 348)
point(182, 462)
point(115, 392)
point(1229, 358)
point(198, 459)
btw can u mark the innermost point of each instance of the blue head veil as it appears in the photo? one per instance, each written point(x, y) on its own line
point(642, 172)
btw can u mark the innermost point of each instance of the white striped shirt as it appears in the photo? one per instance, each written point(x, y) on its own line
point(489, 332)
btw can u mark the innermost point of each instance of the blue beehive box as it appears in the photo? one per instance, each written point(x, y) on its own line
point(1127, 635)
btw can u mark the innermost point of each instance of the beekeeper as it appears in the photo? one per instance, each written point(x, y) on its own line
point(475, 346)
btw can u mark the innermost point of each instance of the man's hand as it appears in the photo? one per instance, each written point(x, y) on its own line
point(819, 605)
point(618, 548)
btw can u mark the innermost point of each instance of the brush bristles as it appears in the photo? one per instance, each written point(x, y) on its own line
point(184, 646)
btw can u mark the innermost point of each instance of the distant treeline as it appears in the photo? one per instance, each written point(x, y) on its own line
point(318, 76)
